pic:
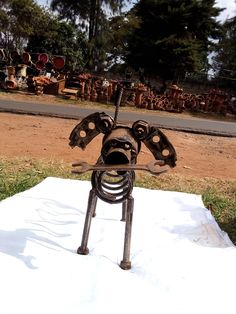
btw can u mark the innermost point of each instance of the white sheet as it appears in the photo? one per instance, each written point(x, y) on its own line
point(181, 261)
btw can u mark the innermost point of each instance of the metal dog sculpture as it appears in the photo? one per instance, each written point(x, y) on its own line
point(114, 173)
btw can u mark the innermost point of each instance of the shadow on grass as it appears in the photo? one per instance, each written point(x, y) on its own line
point(230, 228)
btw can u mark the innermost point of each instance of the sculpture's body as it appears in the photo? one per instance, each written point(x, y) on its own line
point(113, 175)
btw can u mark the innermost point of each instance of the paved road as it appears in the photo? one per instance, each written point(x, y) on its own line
point(202, 126)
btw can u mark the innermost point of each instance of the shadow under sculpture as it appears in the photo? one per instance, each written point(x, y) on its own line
point(114, 173)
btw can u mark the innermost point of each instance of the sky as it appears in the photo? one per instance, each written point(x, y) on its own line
point(230, 6)
point(230, 10)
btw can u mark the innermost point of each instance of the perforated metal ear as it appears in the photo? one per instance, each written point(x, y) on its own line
point(155, 141)
point(161, 148)
point(90, 127)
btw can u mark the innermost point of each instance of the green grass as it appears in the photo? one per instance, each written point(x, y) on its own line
point(17, 175)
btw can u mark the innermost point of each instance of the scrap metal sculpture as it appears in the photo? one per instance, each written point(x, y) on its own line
point(114, 173)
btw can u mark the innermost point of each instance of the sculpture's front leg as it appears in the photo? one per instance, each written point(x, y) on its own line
point(92, 202)
point(126, 263)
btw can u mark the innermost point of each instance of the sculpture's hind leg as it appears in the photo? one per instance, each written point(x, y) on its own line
point(124, 210)
point(92, 202)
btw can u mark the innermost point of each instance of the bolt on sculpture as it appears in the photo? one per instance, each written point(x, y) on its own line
point(114, 173)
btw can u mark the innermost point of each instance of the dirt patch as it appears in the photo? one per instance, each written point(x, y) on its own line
point(47, 138)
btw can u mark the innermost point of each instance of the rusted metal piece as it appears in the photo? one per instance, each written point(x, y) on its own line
point(156, 141)
point(151, 167)
point(89, 127)
point(126, 263)
point(92, 201)
point(114, 173)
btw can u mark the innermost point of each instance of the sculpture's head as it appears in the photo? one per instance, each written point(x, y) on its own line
point(120, 147)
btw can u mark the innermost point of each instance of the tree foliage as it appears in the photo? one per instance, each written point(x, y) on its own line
point(120, 29)
point(60, 38)
point(168, 38)
point(91, 16)
point(18, 20)
point(174, 37)
point(26, 25)
point(224, 60)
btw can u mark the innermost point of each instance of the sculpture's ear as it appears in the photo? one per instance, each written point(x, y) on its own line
point(89, 127)
point(156, 141)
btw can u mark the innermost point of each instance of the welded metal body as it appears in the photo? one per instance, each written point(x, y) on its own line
point(114, 173)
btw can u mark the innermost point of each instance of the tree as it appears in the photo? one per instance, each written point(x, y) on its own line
point(224, 62)
point(88, 12)
point(173, 37)
point(24, 24)
point(18, 20)
point(119, 29)
point(60, 38)
point(91, 16)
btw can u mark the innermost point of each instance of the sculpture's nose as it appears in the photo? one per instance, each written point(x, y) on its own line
point(120, 147)
point(119, 153)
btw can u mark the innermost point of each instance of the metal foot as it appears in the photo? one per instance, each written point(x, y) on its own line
point(83, 251)
point(125, 265)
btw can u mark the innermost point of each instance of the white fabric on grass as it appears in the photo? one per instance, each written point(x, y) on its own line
point(182, 262)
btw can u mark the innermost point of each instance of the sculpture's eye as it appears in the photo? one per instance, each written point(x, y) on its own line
point(156, 139)
point(165, 152)
point(91, 126)
point(82, 133)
